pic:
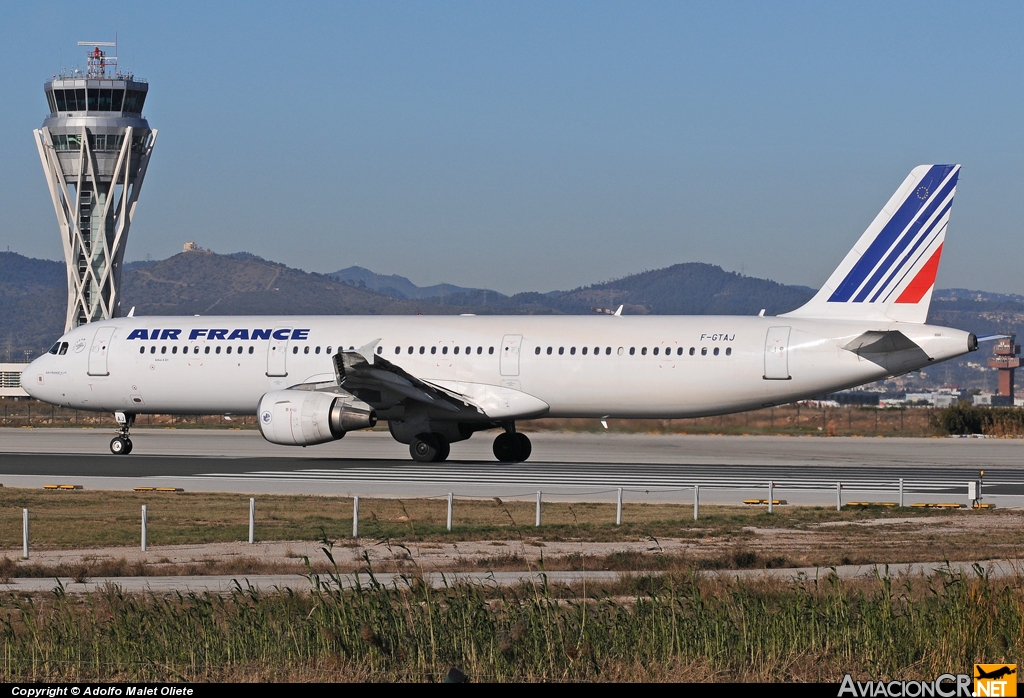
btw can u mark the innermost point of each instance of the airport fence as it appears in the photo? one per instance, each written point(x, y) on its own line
point(896, 493)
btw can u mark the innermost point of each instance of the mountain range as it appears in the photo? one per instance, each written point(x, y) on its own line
point(33, 295)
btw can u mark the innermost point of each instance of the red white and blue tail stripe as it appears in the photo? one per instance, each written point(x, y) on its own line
point(890, 273)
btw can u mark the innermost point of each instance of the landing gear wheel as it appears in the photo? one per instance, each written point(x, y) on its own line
point(444, 449)
point(505, 448)
point(120, 446)
point(128, 446)
point(424, 448)
point(523, 446)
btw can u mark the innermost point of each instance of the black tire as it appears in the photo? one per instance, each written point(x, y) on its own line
point(127, 446)
point(444, 449)
point(523, 447)
point(424, 448)
point(505, 448)
point(118, 446)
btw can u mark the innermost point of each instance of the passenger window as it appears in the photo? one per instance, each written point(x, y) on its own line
point(703, 351)
point(572, 350)
point(251, 350)
point(621, 351)
point(218, 350)
point(490, 350)
point(433, 350)
point(142, 350)
point(305, 350)
point(561, 350)
point(655, 351)
point(537, 351)
point(207, 350)
point(597, 350)
point(398, 350)
point(479, 350)
point(643, 351)
point(608, 351)
point(456, 350)
point(444, 350)
point(152, 350)
point(632, 351)
point(410, 350)
point(469, 350)
point(584, 351)
point(716, 351)
point(549, 351)
point(422, 349)
point(380, 350)
point(679, 351)
point(317, 350)
point(728, 351)
point(229, 350)
point(295, 350)
point(328, 350)
point(163, 349)
point(174, 350)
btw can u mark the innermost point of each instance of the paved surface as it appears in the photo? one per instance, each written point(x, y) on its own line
point(564, 466)
point(222, 584)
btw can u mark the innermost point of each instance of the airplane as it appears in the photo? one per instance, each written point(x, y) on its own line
point(437, 380)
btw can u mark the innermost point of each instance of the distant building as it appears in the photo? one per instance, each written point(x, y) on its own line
point(190, 247)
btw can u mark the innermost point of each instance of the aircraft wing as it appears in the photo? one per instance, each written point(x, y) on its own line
point(377, 381)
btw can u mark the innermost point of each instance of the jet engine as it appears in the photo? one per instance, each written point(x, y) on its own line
point(305, 418)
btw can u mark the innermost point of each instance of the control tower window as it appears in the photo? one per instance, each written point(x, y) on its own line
point(58, 97)
point(116, 100)
point(105, 100)
point(50, 101)
point(94, 98)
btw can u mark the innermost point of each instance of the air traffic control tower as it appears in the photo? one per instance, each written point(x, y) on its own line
point(95, 146)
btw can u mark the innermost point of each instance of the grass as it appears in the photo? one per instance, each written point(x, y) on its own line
point(85, 518)
point(676, 627)
point(723, 538)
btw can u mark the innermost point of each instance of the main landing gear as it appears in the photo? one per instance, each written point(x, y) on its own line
point(430, 448)
point(121, 445)
point(512, 446)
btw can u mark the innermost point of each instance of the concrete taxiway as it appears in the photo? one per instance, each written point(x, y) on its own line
point(565, 466)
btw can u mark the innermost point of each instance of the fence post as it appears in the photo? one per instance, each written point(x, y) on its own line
point(618, 509)
point(839, 496)
point(449, 511)
point(355, 517)
point(771, 494)
point(252, 520)
point(537, 518)
point(143, 528)
point(696, 501)
point(24, 533)
point(901, 493)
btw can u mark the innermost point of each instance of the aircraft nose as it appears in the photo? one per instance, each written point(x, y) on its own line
point(33, 380)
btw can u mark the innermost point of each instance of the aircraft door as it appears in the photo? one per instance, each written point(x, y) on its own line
point(510, 345)
point(776, 354)
point(100, 350)
point(277, 352)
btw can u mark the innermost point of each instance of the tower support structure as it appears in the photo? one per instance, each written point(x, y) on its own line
point(95, 148)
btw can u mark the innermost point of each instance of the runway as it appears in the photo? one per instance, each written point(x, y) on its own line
point(564, 466)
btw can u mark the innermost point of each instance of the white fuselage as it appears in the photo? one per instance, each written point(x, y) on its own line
point(577, 366)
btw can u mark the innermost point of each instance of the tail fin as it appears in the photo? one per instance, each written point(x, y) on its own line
point(890, 273)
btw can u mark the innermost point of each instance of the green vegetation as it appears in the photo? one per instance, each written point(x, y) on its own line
point(992, 421)
point(674, 627)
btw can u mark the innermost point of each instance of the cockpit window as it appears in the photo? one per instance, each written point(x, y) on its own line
point(63, 348)
point(55, 348)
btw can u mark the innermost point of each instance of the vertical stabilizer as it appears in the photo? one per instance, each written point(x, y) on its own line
point(890, 273)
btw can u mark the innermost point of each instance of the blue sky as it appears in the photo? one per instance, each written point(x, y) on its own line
point(535, 146)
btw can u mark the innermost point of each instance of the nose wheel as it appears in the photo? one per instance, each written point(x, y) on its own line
point(121, 445)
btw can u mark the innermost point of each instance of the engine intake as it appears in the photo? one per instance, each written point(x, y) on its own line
point(305, 418)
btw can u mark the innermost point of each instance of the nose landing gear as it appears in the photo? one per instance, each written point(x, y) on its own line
point(121, 445)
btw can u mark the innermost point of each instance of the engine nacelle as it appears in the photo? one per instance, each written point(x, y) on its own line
point(304, 418)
